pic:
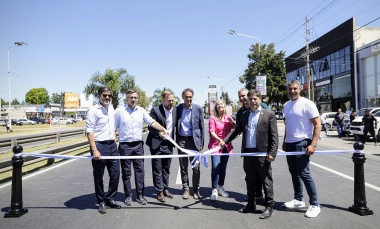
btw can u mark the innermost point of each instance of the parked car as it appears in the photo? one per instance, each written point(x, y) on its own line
point(329, 118)
point(26, 121)
point(16, 122)
point(2, 122)
point(279, 115)
point(38, 120)
point(357, 126)
point(66, 120)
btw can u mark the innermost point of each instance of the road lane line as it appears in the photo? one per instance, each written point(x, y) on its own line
point(344, 175)
point(178, 180)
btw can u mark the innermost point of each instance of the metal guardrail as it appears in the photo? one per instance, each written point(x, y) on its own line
point(21, 139)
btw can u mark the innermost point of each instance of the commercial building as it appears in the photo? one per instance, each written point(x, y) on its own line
point(334, 79)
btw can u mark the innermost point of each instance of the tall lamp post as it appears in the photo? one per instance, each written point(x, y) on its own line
point(9, 82)
point(233, 32)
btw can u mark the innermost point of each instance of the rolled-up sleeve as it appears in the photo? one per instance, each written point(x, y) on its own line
point(90, 121)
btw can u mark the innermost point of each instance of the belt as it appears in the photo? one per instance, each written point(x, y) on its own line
point(185, 137)
point(108, 142)
point(248, 150)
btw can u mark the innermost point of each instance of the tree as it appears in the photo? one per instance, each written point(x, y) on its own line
point(37, 96)
point(57, 98)
point(225, 97)
point(3, 102)
point(272, 65)
point(15, 102)
point(144, 100)
point(119, 81)
point(157, 95)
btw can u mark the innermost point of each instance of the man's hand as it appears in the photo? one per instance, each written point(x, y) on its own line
point(222, 143)
point(96, 155)
point(283, 146)
point(270, 158)
point(310, 150)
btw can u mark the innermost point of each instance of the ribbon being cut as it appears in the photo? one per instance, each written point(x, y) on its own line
point(198, 157)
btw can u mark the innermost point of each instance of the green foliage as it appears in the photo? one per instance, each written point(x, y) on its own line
point(226, 98)
point(119, 81)
point(57, 98)
point(144, 100)
point(37, 96)
point(15, 102)
point(3, 102)
point(272, 65)
point(156, 98)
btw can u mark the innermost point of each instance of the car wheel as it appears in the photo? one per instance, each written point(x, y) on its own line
point(328, 126)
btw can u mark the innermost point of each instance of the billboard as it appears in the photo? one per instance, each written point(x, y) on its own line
point(212, 98)
point(71, 100)
point(261, 84)
point(86, 101)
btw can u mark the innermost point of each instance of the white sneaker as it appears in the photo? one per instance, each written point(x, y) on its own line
point(294, 204)
point(222, 192)
point(313, 211)
point(214, 195)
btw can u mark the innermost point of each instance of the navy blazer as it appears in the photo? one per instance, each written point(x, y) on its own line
point(266, 136)
point(158, 113)
point(197, 124)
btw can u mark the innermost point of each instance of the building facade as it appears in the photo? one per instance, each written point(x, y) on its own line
point(333, 78)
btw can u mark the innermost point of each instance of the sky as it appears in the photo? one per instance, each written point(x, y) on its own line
point(162, 43)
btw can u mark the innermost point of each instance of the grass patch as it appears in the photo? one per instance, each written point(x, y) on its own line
point(38, 128)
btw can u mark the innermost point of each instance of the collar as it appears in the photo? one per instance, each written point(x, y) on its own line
point(130, 109)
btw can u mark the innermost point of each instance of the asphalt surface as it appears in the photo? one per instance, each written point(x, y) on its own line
point(63, 197)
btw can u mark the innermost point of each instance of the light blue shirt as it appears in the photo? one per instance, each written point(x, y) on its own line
point(186, 126)
point(250, 138)
point(101, 123)
point(129, 123)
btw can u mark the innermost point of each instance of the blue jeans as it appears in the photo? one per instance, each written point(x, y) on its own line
point(324, 127)
point(300, 171)
point(339, 129)
point(218, 169)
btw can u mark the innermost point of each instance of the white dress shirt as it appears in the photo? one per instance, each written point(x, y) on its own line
point(101, 123)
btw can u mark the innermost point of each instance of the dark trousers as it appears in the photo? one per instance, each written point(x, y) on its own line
point(161, 166)
point(258, 167)
point(371, 131)
point(300, 171)
point(184, 164)
point(132, 149)
point(113, 169)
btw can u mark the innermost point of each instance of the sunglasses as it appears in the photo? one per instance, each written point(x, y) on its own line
point(106, 95)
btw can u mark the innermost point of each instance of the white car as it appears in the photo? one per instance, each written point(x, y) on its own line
point(26, 121)
point(328, 118)
point(357, 127)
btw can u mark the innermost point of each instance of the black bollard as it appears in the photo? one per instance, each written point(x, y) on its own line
point(17, 209)
point(360, 202)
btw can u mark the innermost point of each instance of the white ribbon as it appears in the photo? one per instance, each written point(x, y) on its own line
point(198, 157)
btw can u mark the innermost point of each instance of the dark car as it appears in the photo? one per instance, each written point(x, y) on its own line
point(38, 120)
point(16, 122)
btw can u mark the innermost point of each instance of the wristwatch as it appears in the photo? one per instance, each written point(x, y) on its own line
point(315, 145)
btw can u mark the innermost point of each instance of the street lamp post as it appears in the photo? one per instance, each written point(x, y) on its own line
point(9, 82)
point(233, 32)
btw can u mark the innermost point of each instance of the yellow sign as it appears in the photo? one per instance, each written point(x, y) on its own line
point(71, 100)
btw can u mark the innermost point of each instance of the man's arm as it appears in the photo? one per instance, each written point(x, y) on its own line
point(273, 138)
point(95, 153)
point(316, 133)
point(201, 127)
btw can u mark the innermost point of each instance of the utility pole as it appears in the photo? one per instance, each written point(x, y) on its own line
point(306, 54)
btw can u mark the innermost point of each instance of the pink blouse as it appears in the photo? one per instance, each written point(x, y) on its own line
point(221, 128)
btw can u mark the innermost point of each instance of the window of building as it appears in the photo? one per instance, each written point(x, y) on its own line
point(342, 86)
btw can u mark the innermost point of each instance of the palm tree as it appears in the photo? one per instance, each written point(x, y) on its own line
point(119, 81)
point(156, 98)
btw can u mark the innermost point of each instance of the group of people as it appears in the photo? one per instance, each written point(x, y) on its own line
point(185, 124)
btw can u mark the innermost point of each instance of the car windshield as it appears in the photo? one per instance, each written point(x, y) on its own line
point(361, 112)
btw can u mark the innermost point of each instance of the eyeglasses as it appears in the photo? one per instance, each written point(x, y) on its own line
point(105, 95)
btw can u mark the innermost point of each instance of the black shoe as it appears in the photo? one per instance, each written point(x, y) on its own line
point(102, 208)
point(128, 201)
point(113, 204)
point(247, 208)
point(267, 213)
point(141, 200)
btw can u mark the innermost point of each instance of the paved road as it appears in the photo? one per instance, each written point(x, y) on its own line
point(63, 197)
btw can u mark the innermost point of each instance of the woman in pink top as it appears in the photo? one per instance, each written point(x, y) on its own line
point(220, 126)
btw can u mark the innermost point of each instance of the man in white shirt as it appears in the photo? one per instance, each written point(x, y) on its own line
point(302, 130)
point(100, 129)
point(129, 121)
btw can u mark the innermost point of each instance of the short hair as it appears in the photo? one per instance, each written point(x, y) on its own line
point(186, 90)
point(295, 82)
point(243, 89)
point(131, 91)
point(216, 107)
point(254, 92)
point(104, 89)
point(166, 93)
